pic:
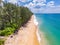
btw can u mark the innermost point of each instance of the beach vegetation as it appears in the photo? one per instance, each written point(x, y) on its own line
point(12, 17)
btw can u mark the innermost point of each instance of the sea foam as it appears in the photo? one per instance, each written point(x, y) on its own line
point(35, 20)
point(37, 33)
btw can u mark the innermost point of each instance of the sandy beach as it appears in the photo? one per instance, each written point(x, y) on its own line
point(27, 35)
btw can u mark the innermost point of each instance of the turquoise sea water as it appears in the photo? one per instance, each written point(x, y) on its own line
point(49, 24)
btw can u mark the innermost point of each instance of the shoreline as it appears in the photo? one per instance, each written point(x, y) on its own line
point(43, 39)
point(37, 32)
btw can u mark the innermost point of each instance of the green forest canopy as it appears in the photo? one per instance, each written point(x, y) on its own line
point(12, 17)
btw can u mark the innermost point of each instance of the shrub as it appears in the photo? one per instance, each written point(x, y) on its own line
point(7, 31)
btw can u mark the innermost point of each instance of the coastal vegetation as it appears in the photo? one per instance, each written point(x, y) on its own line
point(2, 41)
point(12, 17)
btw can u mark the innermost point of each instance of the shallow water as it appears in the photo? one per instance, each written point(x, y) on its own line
point(49, 24)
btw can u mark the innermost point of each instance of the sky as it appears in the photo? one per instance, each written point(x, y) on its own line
point(39, 6)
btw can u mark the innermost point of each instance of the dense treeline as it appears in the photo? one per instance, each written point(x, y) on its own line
point(12, 17)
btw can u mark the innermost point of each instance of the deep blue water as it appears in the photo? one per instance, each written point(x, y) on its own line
point(49, 24)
